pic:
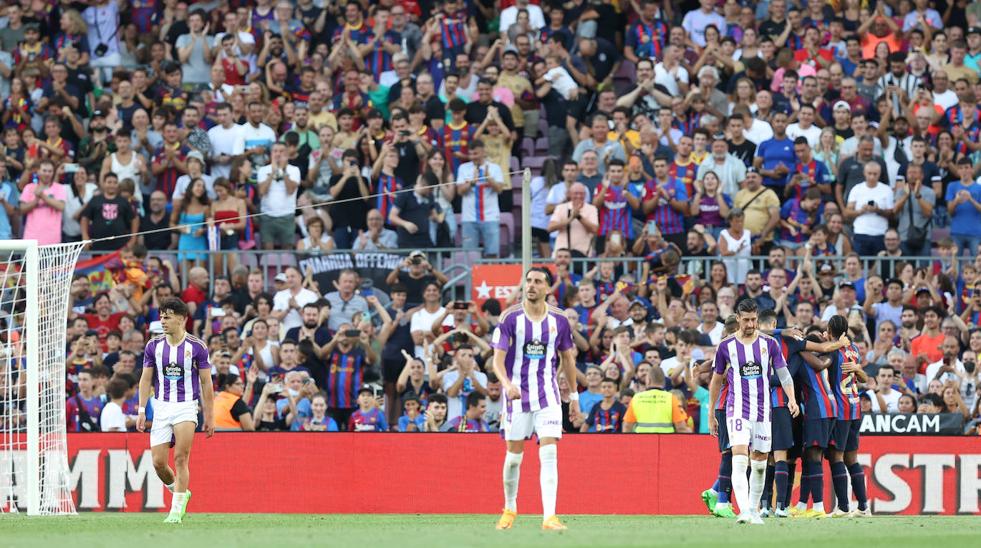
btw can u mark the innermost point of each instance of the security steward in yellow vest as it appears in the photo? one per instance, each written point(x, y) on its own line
point(656, 411)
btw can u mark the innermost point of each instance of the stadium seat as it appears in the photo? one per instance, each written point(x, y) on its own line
point(527, 147)
point(534, 163)
point(514, 165)
point(541, 145)
point(507, 233)
point(517, 181)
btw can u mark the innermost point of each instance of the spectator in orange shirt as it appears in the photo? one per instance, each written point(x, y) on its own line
point(883, 29)
point(928, 343)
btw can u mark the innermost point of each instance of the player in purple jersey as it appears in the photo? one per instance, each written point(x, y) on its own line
point(177, 370)
point(746, 362)
point(530, 342)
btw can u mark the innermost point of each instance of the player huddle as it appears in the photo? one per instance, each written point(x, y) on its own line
point(757, 381)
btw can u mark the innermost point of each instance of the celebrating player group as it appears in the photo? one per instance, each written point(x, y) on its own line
point(756, 380)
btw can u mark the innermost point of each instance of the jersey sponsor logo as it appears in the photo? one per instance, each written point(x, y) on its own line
point(172, 371)
point(750, 370)
point(534, 350)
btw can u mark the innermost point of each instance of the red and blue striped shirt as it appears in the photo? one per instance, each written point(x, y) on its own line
point(669, 220)
point(615, 213)
point(456, 140)
point(385, 190)
point(344, 378)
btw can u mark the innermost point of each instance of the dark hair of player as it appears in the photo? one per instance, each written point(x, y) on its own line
point(543, 270)
point(768, 316)
point(747, 306)
point(837, 325)
point(175, 306)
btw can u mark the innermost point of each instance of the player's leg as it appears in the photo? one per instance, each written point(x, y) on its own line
point(716, 498)
point(183, 437)
point(161, 434)
point(856, 471)
point(815, 474)
point(161, 464)
point(516, 426)
point(780, 477)
point(548, 427)
point(739, 437)
point(839, 480)
point(767, 497)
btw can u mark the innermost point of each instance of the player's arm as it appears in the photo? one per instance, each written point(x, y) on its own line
point(207, 400)
point(787, 382)
point(856, 368)
point(146, 384)
point(814, 362)
point(510, 390)
point(830, 346)
point(715, 386)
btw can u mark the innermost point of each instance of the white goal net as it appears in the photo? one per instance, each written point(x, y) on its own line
point(35, 284)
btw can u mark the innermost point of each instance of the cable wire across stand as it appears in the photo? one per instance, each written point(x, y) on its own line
point(369, 197)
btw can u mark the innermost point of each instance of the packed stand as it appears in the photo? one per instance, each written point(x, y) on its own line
point(685, 156)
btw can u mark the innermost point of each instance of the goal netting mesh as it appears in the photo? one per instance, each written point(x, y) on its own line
point(35, 284)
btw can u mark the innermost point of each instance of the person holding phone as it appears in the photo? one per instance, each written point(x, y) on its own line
point(349, 356)
point(870, 207)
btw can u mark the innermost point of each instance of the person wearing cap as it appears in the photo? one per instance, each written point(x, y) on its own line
point(415, 273)
point(843, 302)
point(973, 58)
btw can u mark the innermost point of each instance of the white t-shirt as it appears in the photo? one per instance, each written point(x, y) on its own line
point(458, 404)
point(715, 335)
point(892, 402)
point(491, 210)
point(561, 81)
point(423, 321)
point(758, 132)
point(933, 368)
point(871, 224)
point(281, 301)
point(276, 202)
point(665, 78)
point(813, 134)
point(112, 418)
point(946, 99)
point(251, 137)
point(536, 20)
point(223, 142)
point(184, 181)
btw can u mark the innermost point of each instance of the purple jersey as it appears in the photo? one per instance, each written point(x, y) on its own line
point(533, 354)
point(176, 377)
point(748, 368)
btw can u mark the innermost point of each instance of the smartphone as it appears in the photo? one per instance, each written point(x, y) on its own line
point(71, 168)
point(218, 312)
point(276, 388)
point(367, 292)
point(366, 317)
point(651, 227)
point(352, 332)
point(871, 203)
point(461, 305)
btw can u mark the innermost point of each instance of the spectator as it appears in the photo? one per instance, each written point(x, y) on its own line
point(870, 206)
point(42, 202)
point(319, 421)
point(288, 304)
point(645, 412)
point(112, 418)
point(412, 212)
point(345, 304)
point(231, 413)
point(479, 182)
point(761, 208)
point(376, 237)
point(727, 168)
point(575, 222)
point(412, 420)
point(914, 210)
point(473, 419)
point(462, 381)
point(349, 357)
point(278, 184)
point(417, 274)
point(85, 407)
point(368, 417)
point(963, 199)
point(435, 414)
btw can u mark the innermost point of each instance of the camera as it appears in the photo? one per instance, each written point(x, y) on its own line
point(871, 203)
point(416, 259)
point(352, 332)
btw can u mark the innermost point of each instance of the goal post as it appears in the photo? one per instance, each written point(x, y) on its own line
point(35, 293)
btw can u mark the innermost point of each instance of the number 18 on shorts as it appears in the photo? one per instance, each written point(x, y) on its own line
point(755, 434)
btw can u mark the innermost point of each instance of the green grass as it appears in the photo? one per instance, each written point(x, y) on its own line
point(283, 530)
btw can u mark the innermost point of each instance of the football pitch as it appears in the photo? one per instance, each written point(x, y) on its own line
point(282, 530)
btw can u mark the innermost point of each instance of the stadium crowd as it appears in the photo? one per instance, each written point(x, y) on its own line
point(820, 158)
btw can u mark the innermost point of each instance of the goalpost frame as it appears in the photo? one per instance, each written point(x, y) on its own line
point(32, 355)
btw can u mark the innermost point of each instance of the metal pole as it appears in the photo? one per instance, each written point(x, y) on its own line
point(525, 222)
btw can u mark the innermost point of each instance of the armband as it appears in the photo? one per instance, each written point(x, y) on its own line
point(573, 396)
